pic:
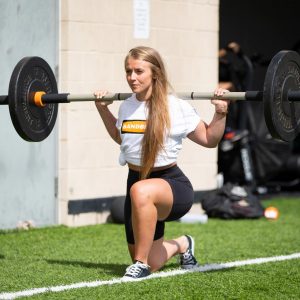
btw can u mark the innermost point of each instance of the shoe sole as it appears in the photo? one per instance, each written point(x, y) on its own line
point(190, 267)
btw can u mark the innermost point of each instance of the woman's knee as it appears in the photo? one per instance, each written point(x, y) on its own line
point(139, 194)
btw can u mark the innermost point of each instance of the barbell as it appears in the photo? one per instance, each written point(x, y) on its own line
point(33, 97)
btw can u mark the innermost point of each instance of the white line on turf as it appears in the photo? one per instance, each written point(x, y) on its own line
point(205, 268)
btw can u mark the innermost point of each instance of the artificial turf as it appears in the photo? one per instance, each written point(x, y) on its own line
point(60, 255)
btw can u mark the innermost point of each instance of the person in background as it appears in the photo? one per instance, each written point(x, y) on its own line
point(232, 68)
point(150, 127)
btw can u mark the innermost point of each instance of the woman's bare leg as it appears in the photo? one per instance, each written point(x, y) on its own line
point(151, 200)
point(162, 250)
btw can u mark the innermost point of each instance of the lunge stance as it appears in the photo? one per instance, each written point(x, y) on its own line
point(150, 127)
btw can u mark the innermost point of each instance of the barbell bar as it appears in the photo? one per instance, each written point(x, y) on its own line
point(3, 100)
point(33, 98)
point(41, 98)
point(246, 96)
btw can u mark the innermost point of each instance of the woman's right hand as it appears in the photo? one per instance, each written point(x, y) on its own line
point(99, 94)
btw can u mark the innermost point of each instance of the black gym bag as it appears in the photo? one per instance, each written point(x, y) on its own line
point(232, 202)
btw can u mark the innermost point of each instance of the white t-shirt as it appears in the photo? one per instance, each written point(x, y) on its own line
point(132, 123)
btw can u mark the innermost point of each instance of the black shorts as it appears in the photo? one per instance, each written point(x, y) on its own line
point(183, 197)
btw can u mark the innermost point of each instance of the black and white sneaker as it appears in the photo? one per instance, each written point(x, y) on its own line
point(187, 259)
point(137, 270)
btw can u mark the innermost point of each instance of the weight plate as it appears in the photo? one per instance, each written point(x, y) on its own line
point(32, 123)
point(282, 116)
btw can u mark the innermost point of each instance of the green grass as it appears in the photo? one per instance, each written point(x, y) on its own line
point(60, 255)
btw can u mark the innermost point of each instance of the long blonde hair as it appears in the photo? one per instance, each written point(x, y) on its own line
point(158, 122)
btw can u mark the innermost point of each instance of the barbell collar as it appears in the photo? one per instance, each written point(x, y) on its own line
point(254, 96)
point(54, 98)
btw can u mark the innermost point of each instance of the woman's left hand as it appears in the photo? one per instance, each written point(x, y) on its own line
point(221, 106)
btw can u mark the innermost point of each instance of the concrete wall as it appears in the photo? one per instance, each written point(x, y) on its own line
point(28, 171)
point(95, 36)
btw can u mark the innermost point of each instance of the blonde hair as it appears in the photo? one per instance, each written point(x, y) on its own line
point(158, 122)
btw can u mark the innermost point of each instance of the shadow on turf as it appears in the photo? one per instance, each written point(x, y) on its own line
point(114, 269)
point(117, 269)
point(2, 256)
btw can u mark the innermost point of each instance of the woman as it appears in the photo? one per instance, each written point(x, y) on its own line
point(150, 127)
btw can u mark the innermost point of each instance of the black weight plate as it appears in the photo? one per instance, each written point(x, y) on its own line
point(32, 123)
point(282, 116)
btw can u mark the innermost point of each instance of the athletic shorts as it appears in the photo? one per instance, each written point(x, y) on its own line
point(183, 197)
